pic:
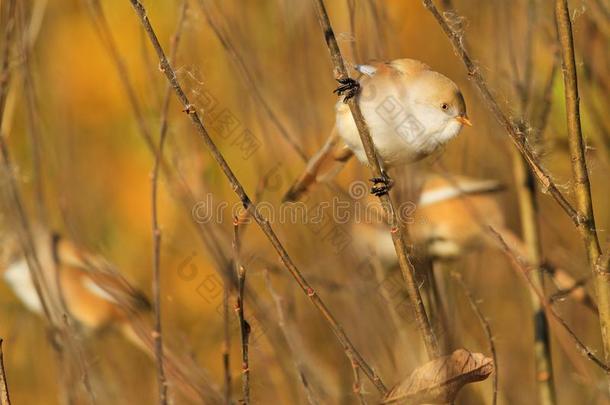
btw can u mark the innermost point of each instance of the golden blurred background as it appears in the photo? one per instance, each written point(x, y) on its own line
point(68, 103)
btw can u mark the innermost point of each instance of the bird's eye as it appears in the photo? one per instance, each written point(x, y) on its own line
point(444, 106)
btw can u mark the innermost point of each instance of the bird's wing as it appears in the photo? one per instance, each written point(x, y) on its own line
point(439, 188)
point(17, 276)
point(100, 277)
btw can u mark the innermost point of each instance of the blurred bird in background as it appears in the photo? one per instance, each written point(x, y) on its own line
point(453, 217)
point(97, 297)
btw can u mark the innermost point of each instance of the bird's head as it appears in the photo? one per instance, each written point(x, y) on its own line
point(438, 105)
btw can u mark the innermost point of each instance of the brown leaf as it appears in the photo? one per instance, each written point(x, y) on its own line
point(440, 380)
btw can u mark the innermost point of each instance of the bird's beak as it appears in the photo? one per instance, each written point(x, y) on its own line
point(462, 119)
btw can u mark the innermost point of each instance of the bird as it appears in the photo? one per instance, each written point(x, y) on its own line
point(91, 290)
point(411, 112)
point(452, 218)
point(95, 294)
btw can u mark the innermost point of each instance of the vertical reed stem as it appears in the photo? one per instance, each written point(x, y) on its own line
point(582, 186)
point(398, 232)
point(259, 218)
point(4, 395)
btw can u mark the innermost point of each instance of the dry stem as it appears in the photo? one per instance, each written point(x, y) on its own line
point(398, 232)
point(528, 210)
point(244, 327)
point(156, 232)
point(486, 327)
point(579, 169)
point(261, 220)
point(516, 135)
point(4, 395)
point(181, 191)
point(250, 81)
point(226, 347)
point(550, 311)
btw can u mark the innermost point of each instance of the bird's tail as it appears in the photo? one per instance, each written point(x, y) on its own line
point(322, 167)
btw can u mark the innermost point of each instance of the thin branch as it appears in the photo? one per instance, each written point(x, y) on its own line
point(576, 142)
point(180, 187)
point(351, 9)
point(523, 270)
point(33, 118)
point(575, 137)
point(26, 238)
point(358, 384)
point(244, 327)
point(156, 232)
point(540, 120)
point(105, 34)
point(260, 219)
point(4, 394)
point(53, 307)
point(486, 328)
point(249, 80)
point(398, 232)
point(184, 195)
point(294, 342)
point(526, 188)
point(226, 345)
point(515, 133)
point(5, 73)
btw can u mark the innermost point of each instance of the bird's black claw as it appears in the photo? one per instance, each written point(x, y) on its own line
point(381, 185)
point(349, 88)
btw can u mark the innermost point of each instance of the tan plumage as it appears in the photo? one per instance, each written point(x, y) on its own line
point(323, 166)
point(452, 218)
point(410, 110)
point(97, 296)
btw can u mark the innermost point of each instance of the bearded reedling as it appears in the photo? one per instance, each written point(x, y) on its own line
point(411, 112)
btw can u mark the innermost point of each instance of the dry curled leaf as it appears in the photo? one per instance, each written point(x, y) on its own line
point(440, 380)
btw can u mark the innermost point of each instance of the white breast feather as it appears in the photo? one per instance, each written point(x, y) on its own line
point(17, 276)
point(97, 290)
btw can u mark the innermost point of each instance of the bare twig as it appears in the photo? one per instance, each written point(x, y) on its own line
point(5, 73)
point(583, 217)
point(523, 270)
point(515, 133)
point(579, 169)
point(105, 34)
point(250, 81)
point(182, 192)
point(156, 232)
point(357, 383)
point(33, 116)
point(575, 137)
point(398, 232)
point(526, 189)
point(226, 345)
point(4, 394)
point(260, 219)
point(26, 238)
point(53, 307)
point(244, 327)
point(294, 342)
point(351, 7)
point(486, 328)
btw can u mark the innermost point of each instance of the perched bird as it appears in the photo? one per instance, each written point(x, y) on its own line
point(411, 112)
